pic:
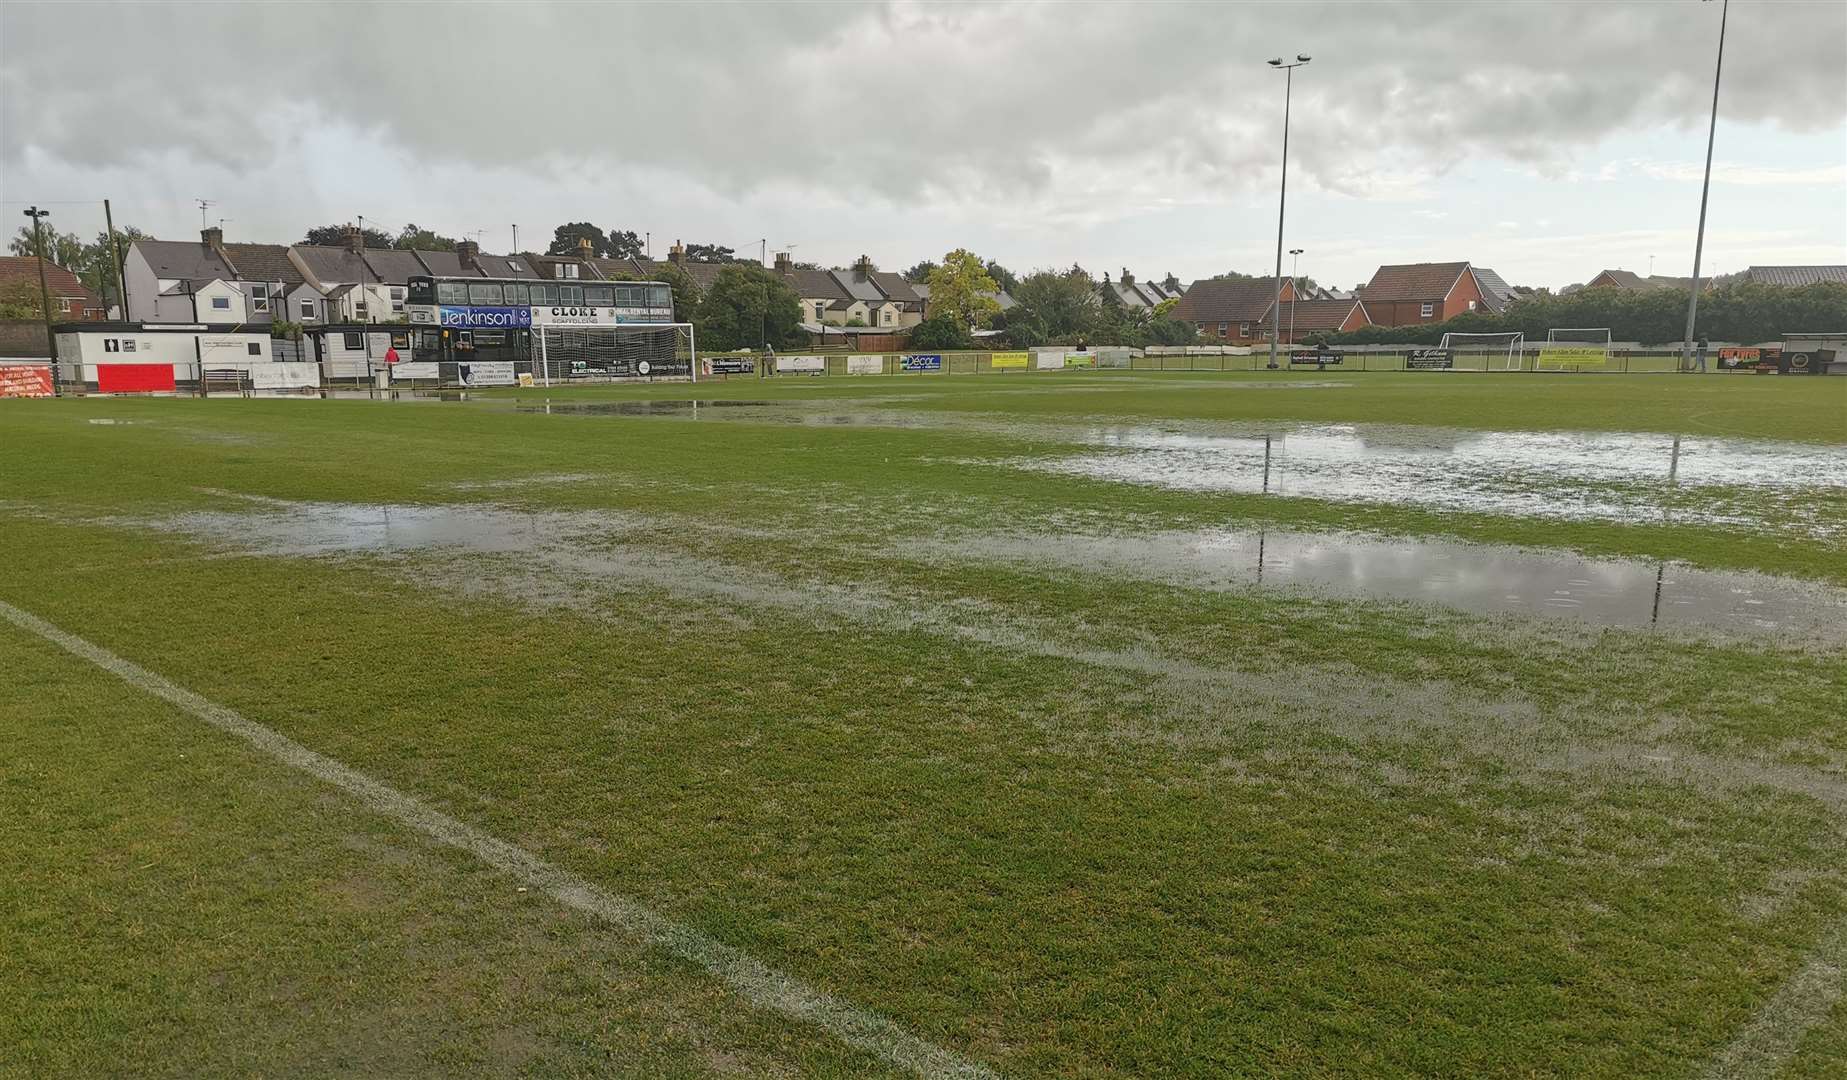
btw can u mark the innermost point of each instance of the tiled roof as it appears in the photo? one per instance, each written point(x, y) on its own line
point(263, 262)
point(895, 287)
point(392, 266)
point(1414, 281)
point(1220, 300)
point(186, 260)
point(58, 281)
point(1795, 275)
point(1495, 291)
point(333, 264)
point(858, 285)
point(815, 285)
point(1629, 279)
point(1313, 315)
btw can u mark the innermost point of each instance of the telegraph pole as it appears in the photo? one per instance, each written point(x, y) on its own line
point(115, 252)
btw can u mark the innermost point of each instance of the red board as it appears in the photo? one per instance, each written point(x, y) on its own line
point(134, 378)
point(25, 380)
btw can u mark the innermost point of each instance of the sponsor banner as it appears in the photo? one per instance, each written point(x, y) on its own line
point(134, 378)
point(865, 365)
point(1009, 359)
point(569, 315)
point(1047, 361)
point(416, 369)
point(488, 318)
point(25, 380)
point(1080, 359)
point(812, 365)
point(921, 361)
point(1806, 362)
point(284, 375)
point(1430, 359)
point(1741, 359)
point(485, 373)
point(1317, 357)
point(525, 379)
point(1571, 357)
point(729, 365)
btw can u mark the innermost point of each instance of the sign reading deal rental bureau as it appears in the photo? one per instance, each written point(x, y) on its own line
point(921, 361)
point(1571, 357)
point(1008, 359)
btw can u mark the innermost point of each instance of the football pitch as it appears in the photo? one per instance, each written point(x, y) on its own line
point(1105, 724)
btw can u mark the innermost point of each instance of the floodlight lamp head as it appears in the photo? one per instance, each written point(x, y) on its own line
point(1300, 59)
point(1278, 62)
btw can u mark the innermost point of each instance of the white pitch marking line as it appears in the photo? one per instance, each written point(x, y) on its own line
point(1765, 1044)
point(752, 979)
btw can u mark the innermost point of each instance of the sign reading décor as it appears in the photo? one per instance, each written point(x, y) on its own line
point(1430, 359)
point(921, 361)
point(1317, 357)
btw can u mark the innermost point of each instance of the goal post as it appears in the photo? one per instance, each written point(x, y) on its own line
point(628, 351)
point(1497, 351)
point(1575, 348)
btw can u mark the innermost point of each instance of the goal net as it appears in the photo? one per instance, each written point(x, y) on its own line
point(1575, 348)
point(644, 351)
point(1499, 351)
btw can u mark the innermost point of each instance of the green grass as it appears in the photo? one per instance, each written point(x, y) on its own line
point(1062, 822)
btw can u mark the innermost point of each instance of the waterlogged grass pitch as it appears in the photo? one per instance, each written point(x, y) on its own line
point(1078, 725)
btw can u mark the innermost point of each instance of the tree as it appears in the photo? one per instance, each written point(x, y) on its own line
point(748, 306)
point(93, 263)
point(565, 239)
point(1063, 303)
point(20, 299)
point(961, 288)
point(920, 274)
point(1004, 278)
point(623, 245)
point(1233, 275)
point(65, 249)
point(1165, 331)
point(422, 240)
point(942, 330)
point(335, 236)
point(711, 253)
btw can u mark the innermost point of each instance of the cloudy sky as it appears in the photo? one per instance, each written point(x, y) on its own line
point(1547, 140)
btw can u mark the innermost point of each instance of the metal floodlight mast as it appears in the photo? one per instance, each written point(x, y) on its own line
point(1699, 237)
point(1282, 199)
point(1295, 287)
point(44, 291)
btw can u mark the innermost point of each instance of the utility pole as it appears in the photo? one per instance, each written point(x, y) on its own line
point(516, 239)
point(1282, 201)
point(44, 290)
point(1699, 238)
point(115, 251)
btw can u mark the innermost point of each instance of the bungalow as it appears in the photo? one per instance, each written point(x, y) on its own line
point(1411, 294)
point(1795, 276)
point(1231, 311)
point(71, 299)
point(1305, 319)
point(1629, 279)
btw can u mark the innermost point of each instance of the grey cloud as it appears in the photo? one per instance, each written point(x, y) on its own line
point(905, 101)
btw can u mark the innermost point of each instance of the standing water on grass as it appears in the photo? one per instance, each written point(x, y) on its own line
point(1793, 488)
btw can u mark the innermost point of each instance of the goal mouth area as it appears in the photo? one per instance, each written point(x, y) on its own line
point(621, 352)
point(1500, 350)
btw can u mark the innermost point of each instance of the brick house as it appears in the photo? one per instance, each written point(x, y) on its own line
point(1411, 294)
point(1231, 312)
point(71, 299)
point(1304, 319)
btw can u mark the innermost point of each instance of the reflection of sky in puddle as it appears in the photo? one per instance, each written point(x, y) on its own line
point(1576, 475)
point(1466, 577)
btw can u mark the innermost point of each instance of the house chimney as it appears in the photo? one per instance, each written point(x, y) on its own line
point(677, 253)
point(784, 262)
point(1127, 278)
point(585, 249)
point(863, 265)
point(355, 239)
point(212, 238)
point(468, 253)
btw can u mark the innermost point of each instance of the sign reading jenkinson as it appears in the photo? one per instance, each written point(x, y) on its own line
point(484, 317)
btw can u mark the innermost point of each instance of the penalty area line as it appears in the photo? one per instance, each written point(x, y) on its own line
point(753, 980)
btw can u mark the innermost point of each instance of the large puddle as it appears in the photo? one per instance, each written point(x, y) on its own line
point(1463, 577)
point(1475, 578)
point(1792, 488)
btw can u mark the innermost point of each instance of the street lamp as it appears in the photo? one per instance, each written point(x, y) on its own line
point(44, 290)
point(1295, 287)
point(1282, 200)
point(1699, 238)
